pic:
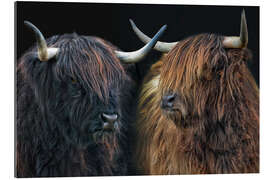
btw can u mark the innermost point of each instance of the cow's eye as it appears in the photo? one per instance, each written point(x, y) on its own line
point(73, 80)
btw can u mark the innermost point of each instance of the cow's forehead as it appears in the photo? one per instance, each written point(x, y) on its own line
point(91, 61)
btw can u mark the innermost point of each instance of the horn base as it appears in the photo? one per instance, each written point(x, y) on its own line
point(233, 42)
point(50, 53)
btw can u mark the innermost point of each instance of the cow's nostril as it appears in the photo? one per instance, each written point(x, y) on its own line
point(168, 101)
point(110, 118)
point(170, 98)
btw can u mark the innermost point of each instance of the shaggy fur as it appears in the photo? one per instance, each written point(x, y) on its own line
point(59, 102)
point(214, 126)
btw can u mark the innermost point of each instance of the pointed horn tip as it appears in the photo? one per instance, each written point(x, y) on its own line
point(159, 33)
point(164, 26)
point(132, 22)
point(243, 12)
point(28, 23)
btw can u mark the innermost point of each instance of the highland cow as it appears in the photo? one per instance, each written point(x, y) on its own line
point(74, 106)
point(199, 108)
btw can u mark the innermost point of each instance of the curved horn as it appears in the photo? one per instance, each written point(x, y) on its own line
point(160, 46)
point(44, 53)
point(236, 41)
point(136, 56)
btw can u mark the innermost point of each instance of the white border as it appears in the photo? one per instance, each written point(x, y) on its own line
point(7, 86)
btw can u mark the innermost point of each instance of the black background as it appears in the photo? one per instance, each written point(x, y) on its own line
point(111, 22)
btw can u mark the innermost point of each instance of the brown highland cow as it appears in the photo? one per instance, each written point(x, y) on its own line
point(199, 108)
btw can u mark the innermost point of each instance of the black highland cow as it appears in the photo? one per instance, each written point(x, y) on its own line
point(74, 106)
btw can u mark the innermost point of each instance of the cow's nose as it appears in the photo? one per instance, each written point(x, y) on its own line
point(109, 121)
point(168, 101)
point(110, 118)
